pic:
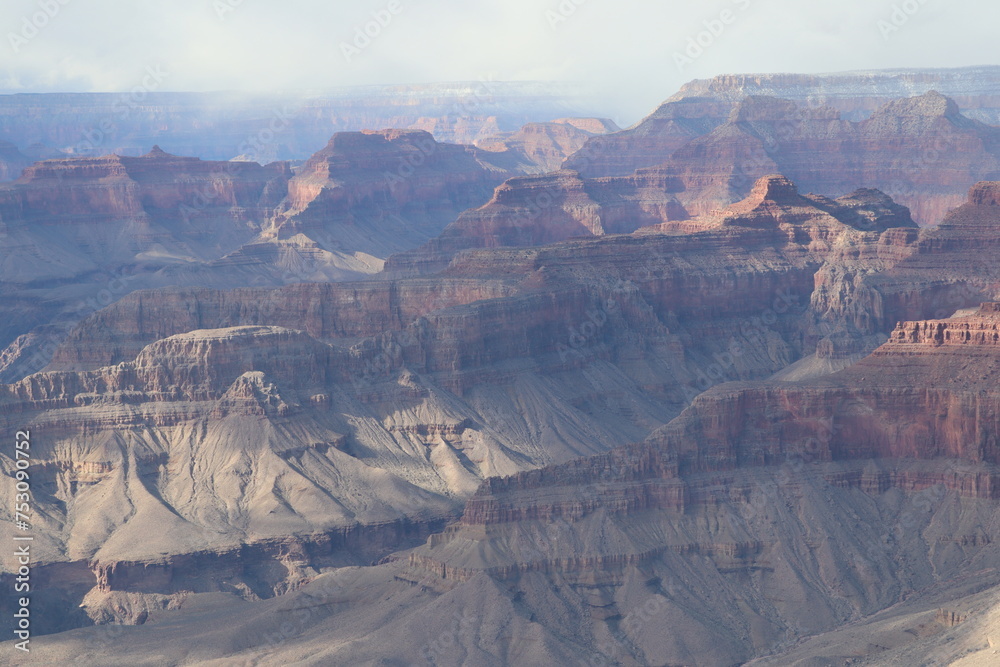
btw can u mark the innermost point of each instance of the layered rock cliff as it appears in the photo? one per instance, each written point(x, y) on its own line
point(81, 233)
point(921, 151)
point(387, 402)
point(652, 140)
point(382, 192)
point(764, 514)
point(512, 360)
point(536, 210)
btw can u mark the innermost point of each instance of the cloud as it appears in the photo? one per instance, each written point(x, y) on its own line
point(625, 48)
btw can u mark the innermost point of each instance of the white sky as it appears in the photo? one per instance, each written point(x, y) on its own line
point(625, 48)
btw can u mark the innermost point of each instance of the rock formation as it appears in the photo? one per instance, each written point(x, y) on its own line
point(767, 512)
point(536, 210)
point(543, 147)
point(416, 389)
point(120, 223)
point(686, 413)
point(921, 151)
point(382, 192)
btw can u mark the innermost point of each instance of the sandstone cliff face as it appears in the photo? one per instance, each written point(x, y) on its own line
point(935, 379)
point(78, 233)
point(956, 266)
point(666, 274)
point(706, 174)
point(701, 106)
point(729, 487)
point(342, 407)
point(327, 311)
point(111, 210)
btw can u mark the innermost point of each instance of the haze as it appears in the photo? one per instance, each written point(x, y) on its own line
point(626, 50)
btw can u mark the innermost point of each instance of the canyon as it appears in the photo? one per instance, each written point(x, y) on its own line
point(344, 407)
point(679, 394)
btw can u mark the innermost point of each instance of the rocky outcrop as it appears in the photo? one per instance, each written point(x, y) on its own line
point(918, 418)
point(574, 343)
point(929, 393)
point(956, 266)
point(703, 105)
point(113, 210)
point(79, 233)
point(327, 311)
point(358, 404)
point(441, 378)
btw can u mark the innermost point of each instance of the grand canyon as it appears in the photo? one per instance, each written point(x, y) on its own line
point(477, 374)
